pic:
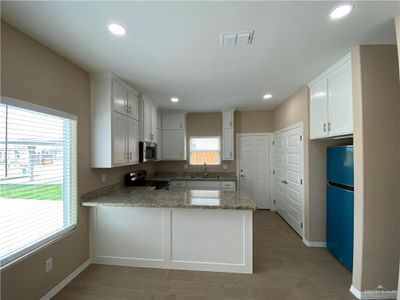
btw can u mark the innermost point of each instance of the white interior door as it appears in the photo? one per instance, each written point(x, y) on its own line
point(288, 177)
point(254, 168)
point(279, 174)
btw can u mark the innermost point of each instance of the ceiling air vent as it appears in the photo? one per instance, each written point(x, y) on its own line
point(232, 39)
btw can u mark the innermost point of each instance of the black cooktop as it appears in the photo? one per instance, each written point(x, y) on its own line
point(138, 178)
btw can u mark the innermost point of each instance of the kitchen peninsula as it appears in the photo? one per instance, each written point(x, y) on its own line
point(191, 230)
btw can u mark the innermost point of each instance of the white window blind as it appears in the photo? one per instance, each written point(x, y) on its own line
point(205, 150)
point(37, 177)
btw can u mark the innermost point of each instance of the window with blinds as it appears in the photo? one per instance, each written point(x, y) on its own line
point(205, 150)
point(37, 177)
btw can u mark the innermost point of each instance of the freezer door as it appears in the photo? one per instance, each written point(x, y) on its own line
point(340, 165)
point(340, 224)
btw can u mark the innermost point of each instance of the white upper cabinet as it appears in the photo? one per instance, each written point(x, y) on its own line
point(173, 136)
point(319, 109)
point(133, 105)
point(173, 121)
point(331, 102)
point(228, 134)
point(173, 145)
point(227, 117)
point(148, 120)
point(119, 99)
point(114, 124)
point(340, 104)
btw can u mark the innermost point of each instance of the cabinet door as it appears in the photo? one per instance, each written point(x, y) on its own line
point(319, 110)
point(133, 140)
point(159, 144)
point(227, 144)
point(227, 117)
point(133, 105)
point(153, 123)
point(147, 121)
point(340, 108)
point(159, 119)
point(172, 121)
point(119, 138)
point(119, 95)
point(173, 145)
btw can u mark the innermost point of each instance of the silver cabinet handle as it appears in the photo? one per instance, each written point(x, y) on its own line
point(230, 123)
point(129, 109)
point(242, 175)
point(230, 154)
point(324, 127)
point(329, 126)
point(284, 181)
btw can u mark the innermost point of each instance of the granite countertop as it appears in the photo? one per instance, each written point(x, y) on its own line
point(167, 176)
point(129, 197)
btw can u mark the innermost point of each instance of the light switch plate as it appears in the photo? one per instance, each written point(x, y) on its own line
point(185, 166)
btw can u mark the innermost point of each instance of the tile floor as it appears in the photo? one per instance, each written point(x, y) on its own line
point(284, 268)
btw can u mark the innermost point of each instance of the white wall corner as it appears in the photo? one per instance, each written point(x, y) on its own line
point(67, 280)
point(373, 294)
point(314, 244)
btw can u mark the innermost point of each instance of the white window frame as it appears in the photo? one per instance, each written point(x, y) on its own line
point(205, 137)
point(72, 191)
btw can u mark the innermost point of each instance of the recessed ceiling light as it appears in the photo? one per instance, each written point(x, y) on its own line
point(174, 99)
point(267, 96)
point(116, 29)
point(341, 10)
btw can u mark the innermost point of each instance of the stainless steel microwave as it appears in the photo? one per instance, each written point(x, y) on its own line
point(147, 151)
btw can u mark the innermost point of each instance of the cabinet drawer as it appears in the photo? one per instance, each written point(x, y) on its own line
point(228, 186)
point(204, 185)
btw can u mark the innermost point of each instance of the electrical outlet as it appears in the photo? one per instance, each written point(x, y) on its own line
point(225, 166)
point(185, 166)
point(103, 178)
point(49, 264)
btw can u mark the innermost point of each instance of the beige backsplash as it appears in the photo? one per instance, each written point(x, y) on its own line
point(179, 166)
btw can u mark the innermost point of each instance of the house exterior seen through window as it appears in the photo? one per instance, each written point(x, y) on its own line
point(37, 177)
point(205, 150)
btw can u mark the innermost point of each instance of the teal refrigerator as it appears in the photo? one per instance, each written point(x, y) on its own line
point(340, 203)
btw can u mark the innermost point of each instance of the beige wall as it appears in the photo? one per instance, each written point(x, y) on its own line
point(34, 73)
point(253, 122)
point(376, 104)
point(210, 124)
point(295, 110)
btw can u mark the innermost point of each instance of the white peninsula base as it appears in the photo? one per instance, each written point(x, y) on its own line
point(218, 240)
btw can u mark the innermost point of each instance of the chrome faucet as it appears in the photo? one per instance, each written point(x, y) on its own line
point(205, 173)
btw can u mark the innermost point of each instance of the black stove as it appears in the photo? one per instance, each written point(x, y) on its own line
point(138, 178)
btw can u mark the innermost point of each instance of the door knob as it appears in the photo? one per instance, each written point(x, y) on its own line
point(242, 175)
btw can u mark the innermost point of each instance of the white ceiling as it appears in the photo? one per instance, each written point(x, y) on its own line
point(173, 48)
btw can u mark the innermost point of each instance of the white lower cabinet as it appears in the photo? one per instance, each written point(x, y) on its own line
point(218, 240)
point(202, 185)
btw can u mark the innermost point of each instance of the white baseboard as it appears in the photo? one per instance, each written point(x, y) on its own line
point(67, 280)
point(372, 294)
point(314, 244)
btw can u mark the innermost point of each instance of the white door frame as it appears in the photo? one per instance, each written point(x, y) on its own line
point(271, 137)
point(303, 206)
